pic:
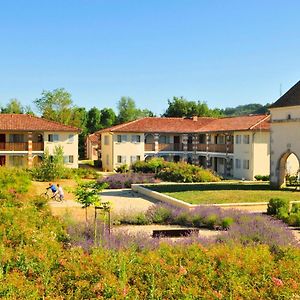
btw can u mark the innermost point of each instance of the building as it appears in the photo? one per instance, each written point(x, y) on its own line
point(236, 147)
point(92, 146)
point(285, 136)
point(24, 138)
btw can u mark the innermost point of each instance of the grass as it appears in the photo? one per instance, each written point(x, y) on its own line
point(219, 193)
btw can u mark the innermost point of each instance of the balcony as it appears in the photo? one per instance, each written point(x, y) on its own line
point(149, 147)
point(37, 146)
point(221, 148)
point(14, 146)
point(170, 147)
point(21, 146)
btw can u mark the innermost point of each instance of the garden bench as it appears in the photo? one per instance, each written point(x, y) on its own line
point(177, 232)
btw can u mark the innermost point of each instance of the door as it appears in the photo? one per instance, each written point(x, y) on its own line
point(2, 141)
point(176, 143)
point(2, 160)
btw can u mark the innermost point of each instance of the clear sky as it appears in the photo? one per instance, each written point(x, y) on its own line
point(220, 51)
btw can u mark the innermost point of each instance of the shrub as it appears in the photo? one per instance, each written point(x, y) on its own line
point(121, 181)
point(227, 222)
point(183, 172)
point(275, 204)
point(295, 208)
point(153, 165)
point(159, 214)
point(262, 177)
point(293, 219)
point(122, 169)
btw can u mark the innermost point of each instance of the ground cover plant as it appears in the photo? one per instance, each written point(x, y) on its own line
point(121, 181)
point(283, 210)
point(40, 260)
point(175, 172)
point(224, 192)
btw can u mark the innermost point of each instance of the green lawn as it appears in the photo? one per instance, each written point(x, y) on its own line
point(218, 193)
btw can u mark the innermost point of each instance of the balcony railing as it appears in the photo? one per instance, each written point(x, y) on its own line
point(170, 147)
point(37, 146)
point(149, 147)
point(10, 146)
point(201, 147)
point(215, 148)
point(14, 146)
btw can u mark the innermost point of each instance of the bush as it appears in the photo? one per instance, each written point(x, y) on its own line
point(121, 181)
point(276, 204)
point(183, 172)
point(159, 214)
point(122, 169)
point(227, 222)
point(153, 165)
point(293, 219)
point(262, 177)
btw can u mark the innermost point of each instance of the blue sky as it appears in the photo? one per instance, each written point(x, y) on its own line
point(223, 52)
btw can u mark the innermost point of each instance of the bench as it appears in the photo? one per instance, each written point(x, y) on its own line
point(176, 232)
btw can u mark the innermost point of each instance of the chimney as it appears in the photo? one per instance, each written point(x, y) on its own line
point(195, 118)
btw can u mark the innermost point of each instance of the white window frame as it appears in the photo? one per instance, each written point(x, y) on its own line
point(121, 138)
point(238, 139)
point(246, 139)
point(237, 163)
point(71, 138)
point(246, 164)
point(53, 137)
point(135, 138)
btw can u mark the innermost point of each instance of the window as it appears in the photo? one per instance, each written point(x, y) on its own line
point(238, 139)
point(237, 163)
point(163, 139)
point(107, 159)
point(246, 164)
point(53, 137)
point(135, 158)
point(71, 138)
point(221, 139)
point(246, 139)
point(121, 159)
point(202, 139)
point(106, 140)
point(68, 159)
point(136, 138)
point(16, 138)
point(121, 138)
point(16, 161)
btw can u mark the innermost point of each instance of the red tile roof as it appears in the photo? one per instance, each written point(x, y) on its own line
point(178, 125)
point(254, 122)
point(181, 125)
point(94, 138)
point(24, 122)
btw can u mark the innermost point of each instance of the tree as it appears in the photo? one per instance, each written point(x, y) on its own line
point(129, 112)
point(14, 106)
point(108, 117)
point(93, 120)
point(56, 105)
point(180, 107)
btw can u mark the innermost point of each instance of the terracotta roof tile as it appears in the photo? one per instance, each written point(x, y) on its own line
point(94, 138)
point(24, 122)
point(238, 123)
point(181, 125)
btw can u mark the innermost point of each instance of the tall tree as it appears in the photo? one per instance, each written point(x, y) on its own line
point(14, 106)
point(93, 120)
point(129, 112)
point(56, 105)
point(108, 117)
point(180, 107)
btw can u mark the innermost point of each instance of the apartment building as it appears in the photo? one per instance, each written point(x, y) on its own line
point(92, 147)
point(24, 138)
point(236, 147)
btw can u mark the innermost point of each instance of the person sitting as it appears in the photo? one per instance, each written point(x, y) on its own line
point(60, 192)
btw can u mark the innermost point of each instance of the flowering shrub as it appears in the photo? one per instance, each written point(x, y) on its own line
point(175, 172)
point(120, 181)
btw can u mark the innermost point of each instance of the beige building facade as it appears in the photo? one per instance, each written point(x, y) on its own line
point(24, 139)
point(285, 136)
point(232, 147)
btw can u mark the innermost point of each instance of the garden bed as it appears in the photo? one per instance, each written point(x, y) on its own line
point(222, 193)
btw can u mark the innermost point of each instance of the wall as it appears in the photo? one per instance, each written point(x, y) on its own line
point(106, 152)
point(284, 137)
point(243, 152)
point(70, 148)
point(261, 154)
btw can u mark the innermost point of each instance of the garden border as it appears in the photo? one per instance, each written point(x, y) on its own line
point(141, 188)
